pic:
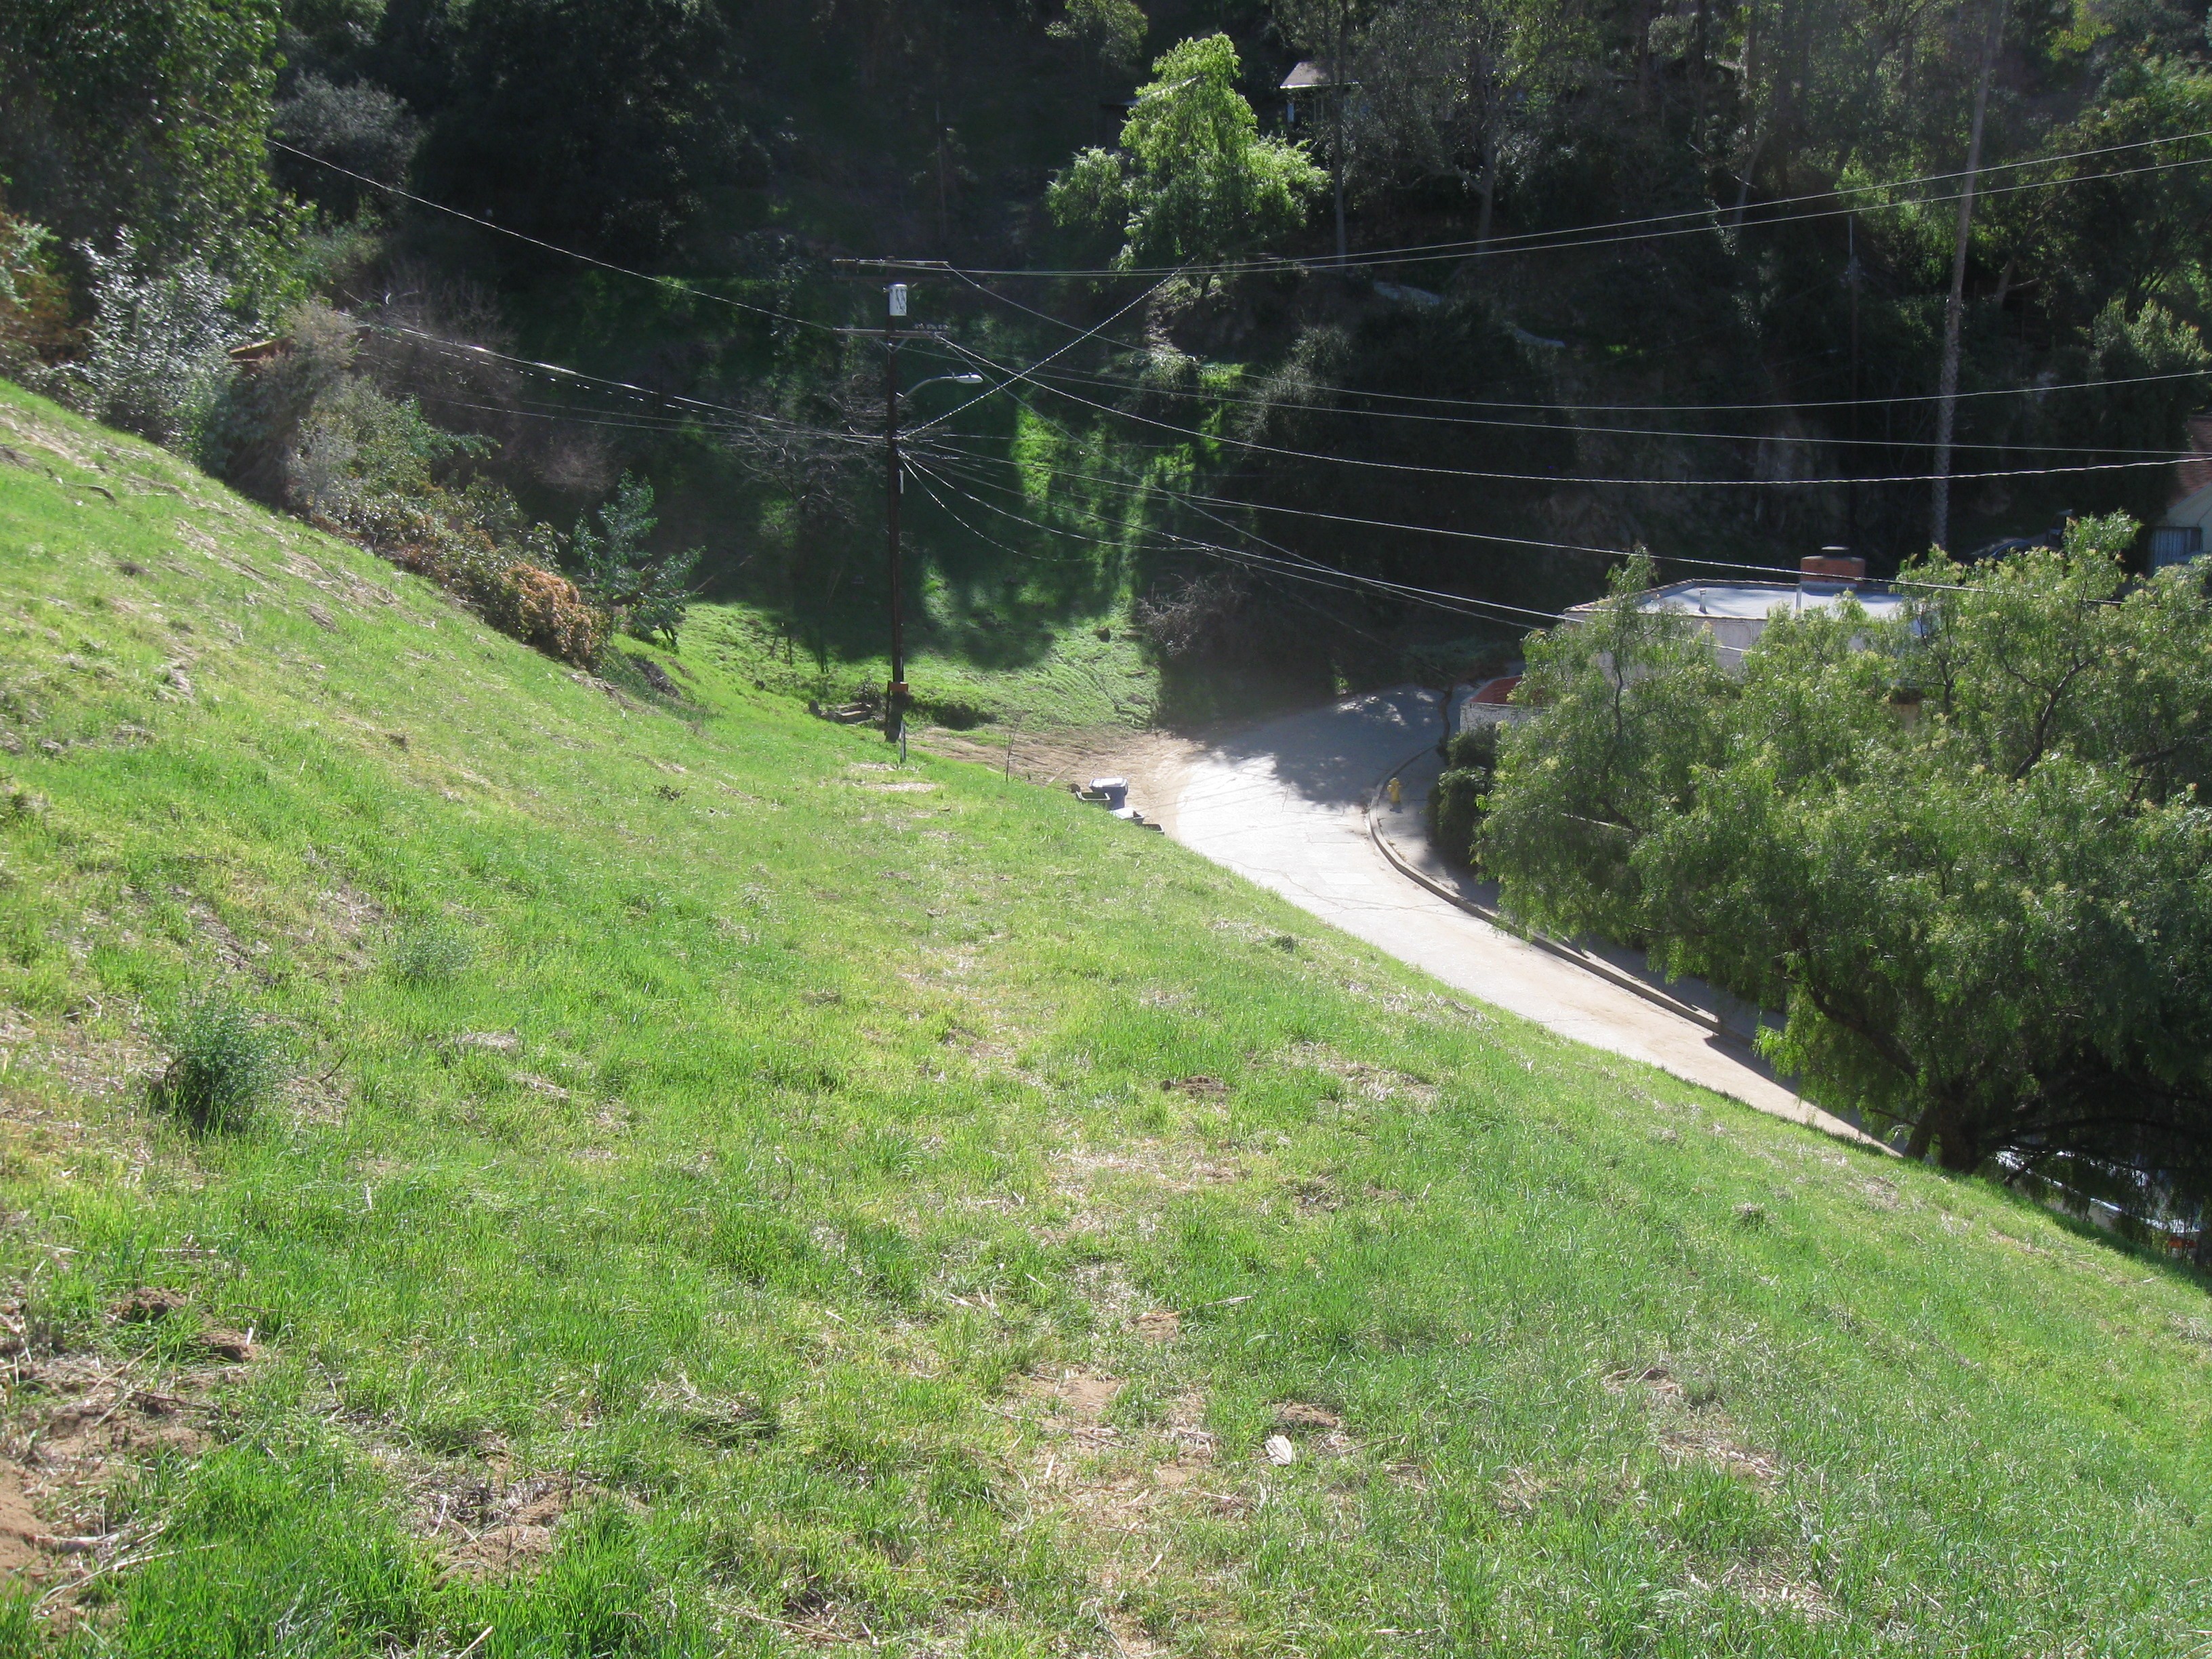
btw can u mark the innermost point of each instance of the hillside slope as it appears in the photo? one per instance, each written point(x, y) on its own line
point(735, 1196)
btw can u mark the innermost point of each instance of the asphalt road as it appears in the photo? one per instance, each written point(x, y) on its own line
point(1284, 804)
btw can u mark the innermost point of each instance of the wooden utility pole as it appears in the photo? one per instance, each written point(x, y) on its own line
point(895, 692)
point(1954, 312)
point(1854, 275)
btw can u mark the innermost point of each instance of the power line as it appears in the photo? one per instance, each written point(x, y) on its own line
point(1295, 568)
point(1403, 589)
point(1638, 408)
point(554, 248)
point(1422, 594)
point(1491, 537)
point(1421, 469)
point(1651, 228)
point(1040, 361)
point(1570, 426)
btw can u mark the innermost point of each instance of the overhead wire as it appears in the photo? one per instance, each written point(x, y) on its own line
point(1491, 421)
point(1298, 568)
point(1491, 537)
point(667, 282)
point(1638, 408)
point(1651, 227)
point(1489, 475)
point(1244, 530)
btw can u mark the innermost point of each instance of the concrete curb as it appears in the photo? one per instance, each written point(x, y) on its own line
point(1559, 948)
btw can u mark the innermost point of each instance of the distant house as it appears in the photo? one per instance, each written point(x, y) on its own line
point(1310, 75)
point(1736, 613)
point(2183, 531)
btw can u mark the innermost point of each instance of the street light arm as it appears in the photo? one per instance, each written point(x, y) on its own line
point(970, 379)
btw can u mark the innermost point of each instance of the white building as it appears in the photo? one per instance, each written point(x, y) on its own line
point(1736, 613)
point(2183, 531)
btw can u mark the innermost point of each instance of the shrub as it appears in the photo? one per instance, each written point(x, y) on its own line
point(1455, 808)
point(35, 323)
point(428, 953)
point(549, 612)
point(160, 344)
point(361, 128)
point(225, 1062)
point(370, 467)
point(648, 593)
point(249, 435)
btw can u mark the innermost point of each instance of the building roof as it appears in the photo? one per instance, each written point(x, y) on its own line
point(2193, 474)
point(1310, 75)
point(1755, 601)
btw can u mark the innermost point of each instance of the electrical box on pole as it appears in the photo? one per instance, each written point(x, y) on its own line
point(898, 298)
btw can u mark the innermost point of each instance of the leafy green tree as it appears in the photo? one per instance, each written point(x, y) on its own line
point(1112, 31)
point(148, 116)
point(1194, 179)
point(1964, 850)
point(649, 593)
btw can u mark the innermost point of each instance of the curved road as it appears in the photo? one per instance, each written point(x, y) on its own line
point(1284, 804)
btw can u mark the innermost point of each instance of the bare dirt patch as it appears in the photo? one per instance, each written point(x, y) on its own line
point(1154, 762)
point(1693, 1428)
point(1770, 1588)
point(1078, 1398)
point(1197, 1086)
point(80, 1422)
point(1160, 1325)
point(485, 1529)
point(1081, 1168)
point(1378, 1084)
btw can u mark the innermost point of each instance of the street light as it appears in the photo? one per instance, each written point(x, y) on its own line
point(895, 693)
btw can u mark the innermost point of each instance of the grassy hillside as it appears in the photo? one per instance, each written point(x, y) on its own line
point(1025, 669)
point(734, 1196)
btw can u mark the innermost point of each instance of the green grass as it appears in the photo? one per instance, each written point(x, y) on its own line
point(705, 1132)
point(1043, 671)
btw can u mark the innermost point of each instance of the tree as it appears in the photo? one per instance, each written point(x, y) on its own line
point(1329, 27)
point(1460, 89)
point(148, 116)
point(646, 592)
point(1111, 31)
point(1966, 850)
point(603, 124)
point(1194, 179)
point(360, 127)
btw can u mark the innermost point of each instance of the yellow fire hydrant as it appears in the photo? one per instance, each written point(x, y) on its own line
point(1397, 794)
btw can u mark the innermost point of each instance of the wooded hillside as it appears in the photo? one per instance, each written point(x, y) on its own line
point(1619, 272)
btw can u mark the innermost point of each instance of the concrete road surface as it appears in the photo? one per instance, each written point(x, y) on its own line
point(1283, 803)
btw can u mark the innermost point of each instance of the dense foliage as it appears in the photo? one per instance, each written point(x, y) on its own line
point(1966, 849)
point(148, 116)
point(1673, 273)
point(1193, 179)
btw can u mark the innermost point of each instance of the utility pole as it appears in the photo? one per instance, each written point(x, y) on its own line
point(1854, 275)
point(895, 692)
point(1947, 390)
point(897, 696)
